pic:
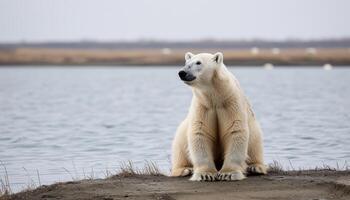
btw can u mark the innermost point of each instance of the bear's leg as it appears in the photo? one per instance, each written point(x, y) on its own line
point(201, 141)
point(234, 160)
point(255, 149)
point(234, 139)
point(201, 154)
point(181, 165)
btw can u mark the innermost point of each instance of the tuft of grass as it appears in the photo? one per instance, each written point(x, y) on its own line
point(5, 187)
point(38, 175)
point(31, 185)
point(129, 169)
point(73, 177)
point(92, 174)
point(151, 168)
point(107, 173)
point(275, 168)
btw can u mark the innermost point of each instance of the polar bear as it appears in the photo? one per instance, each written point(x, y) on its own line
point(220, 139)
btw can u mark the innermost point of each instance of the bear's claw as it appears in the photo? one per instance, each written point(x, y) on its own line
point(187, 172)
point(257, 169)
point(230, 176)
point(202, 176)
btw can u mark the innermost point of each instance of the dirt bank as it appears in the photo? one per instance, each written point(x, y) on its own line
point(155, 57)
point(283, 185)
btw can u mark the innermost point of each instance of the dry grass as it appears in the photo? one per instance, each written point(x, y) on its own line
point(125, 169)
point(128, 169)
point(5, 187)
point(276, 168)
point(26, 56)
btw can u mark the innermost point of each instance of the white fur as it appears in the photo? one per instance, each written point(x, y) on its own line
point(220, 129)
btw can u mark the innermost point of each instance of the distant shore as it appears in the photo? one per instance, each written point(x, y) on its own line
point(173, 57)
point(308, 184)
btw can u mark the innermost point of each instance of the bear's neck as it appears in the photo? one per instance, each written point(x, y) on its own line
point(223, 89)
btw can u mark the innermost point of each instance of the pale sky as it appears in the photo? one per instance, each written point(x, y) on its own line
point(105, 20)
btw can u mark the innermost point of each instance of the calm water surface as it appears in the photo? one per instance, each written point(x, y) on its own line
point(76, 122)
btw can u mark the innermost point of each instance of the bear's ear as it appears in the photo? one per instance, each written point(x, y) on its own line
point(218, 57)
point(188, 56)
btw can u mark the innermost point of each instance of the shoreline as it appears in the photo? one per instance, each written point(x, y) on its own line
point(175, 57)
point(303, 184)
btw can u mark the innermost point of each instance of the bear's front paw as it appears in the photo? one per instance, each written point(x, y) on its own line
point(203, 176)
point(186, 171)
point(230, 176)
point(257, 169)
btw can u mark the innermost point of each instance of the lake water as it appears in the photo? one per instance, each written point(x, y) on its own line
point(64, 122)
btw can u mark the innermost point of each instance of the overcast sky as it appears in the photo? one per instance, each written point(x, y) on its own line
point(58, 20)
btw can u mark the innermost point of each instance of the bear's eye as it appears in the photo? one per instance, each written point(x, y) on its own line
point(198, 63)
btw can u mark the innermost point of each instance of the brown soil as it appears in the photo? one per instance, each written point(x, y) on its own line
point(283, 185)
point(37, 56)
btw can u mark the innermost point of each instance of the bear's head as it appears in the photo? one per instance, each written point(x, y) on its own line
point(199, 69)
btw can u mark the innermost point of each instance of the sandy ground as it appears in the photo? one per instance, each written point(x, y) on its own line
point(154, 57)
point(309, 185)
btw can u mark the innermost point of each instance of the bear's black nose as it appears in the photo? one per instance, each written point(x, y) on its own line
point(182, 75)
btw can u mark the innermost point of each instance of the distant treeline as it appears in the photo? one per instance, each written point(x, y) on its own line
point(200, 44)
